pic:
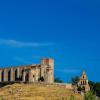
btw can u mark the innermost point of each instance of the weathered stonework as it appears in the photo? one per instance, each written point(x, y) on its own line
point(29, 73)
point(83, 82)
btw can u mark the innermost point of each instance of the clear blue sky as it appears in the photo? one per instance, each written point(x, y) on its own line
point(68, 31)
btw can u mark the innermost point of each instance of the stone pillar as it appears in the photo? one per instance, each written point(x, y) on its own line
point(49, 75)
point(0, 75)
point(5, 75)
point(31, 76)
point(42, 71)
point(18, 72)
point(12, 74)
point(24, 76)
point(37, 74)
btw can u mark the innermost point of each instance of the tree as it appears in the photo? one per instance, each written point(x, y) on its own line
point(75, 80)
point(79, 88)
point(58, 80)
point(91, 84)
point(72, 97)
point(89, 96)
point(96, 88)
point(41, 79)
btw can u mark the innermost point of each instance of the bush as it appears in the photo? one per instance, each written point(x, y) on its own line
point(89, 96)
point(41, 78)
point(79, 88)
point(58, 80)
point(75, 80)
point(72, 97)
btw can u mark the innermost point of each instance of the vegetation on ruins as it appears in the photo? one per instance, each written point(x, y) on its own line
point(75, 80)
point(58, 80)
point(89, 96)
point(41, 79)
point(79, 88)
point(95, 87)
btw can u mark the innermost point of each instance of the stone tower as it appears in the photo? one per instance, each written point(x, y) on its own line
point(83, 82)
point(47, 70)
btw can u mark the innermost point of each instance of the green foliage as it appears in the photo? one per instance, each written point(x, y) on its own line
point(72, 97)
point(91, 84)
point(41, 78)
point(89, 96)
point(62, 98)
point(79, 88)
point(97, 88)
point(75, 80)
point(58, 80)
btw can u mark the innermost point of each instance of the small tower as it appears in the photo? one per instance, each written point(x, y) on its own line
point(83, 82)
point(47, 69)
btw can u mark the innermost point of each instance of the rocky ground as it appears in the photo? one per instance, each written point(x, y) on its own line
point(36, 92)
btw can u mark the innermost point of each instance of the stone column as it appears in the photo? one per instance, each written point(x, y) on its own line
point(31, 76)
point(0, 75)
point(37, 74)
point(18, 72)
point(42, 71)
point(24, 76)
point(5, 75)
point(12, 74)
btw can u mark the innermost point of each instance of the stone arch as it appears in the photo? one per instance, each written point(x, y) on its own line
point(2, 75)
point(83, 88)
point(81, 82)
point(9, 75)
point(16, 78)
point(34, 77)
point(27, 77)
point(21, 74)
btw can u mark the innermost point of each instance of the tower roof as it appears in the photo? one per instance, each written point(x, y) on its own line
point(83, 76)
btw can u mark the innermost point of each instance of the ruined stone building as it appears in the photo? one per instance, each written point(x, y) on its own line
point(29, 73)
point(83, 82)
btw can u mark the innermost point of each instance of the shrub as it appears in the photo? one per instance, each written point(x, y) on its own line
point(89, 96)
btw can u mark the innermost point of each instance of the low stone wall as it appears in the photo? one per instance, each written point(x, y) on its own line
point(63, 85)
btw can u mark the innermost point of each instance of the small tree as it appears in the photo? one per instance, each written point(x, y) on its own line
point(89, 96)
point(41, 78)
point(79, 88)
point(72, 97)
point(58, 80)
point(75, 80)
point(97, 88)
point(91, 84)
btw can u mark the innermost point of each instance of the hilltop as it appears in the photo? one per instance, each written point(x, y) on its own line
point(36, 92)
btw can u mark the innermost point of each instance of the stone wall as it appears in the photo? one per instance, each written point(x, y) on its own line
point(29, 73)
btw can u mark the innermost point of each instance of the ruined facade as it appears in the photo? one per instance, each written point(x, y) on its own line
point(30, 73)
point(83, 82)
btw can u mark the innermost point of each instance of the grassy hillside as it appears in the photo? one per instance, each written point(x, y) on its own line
point(36, 92)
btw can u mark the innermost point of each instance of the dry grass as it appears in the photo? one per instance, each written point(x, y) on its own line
point(35, 92)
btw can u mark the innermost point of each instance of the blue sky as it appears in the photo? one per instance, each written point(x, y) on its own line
point(66, 30)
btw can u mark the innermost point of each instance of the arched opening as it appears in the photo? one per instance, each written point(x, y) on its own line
point(2, 75)
point(21, 74)
point(16, 79)
point(85, 82)
point(83, 88)
point(33, 78)
point(9, 75)
point(27, 77)
point(81, 82)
